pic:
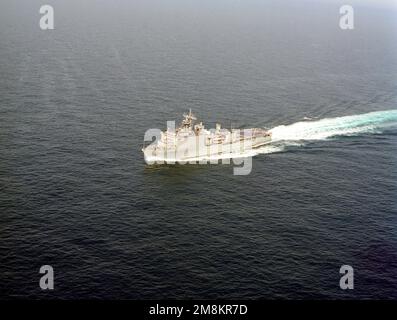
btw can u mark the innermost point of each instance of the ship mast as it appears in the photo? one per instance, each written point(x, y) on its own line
point(188, 120)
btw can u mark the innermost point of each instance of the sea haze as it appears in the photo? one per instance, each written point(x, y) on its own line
point(76, 194)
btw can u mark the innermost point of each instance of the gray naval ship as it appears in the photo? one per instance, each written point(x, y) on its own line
point(192, 142)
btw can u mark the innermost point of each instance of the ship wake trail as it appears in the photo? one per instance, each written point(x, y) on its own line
point(299, 132)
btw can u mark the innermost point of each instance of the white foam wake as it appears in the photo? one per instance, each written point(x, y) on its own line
point(299, 132)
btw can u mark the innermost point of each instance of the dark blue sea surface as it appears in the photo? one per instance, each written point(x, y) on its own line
point(76, 194)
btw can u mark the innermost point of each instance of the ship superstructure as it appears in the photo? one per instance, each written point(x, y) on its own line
point(193, 142)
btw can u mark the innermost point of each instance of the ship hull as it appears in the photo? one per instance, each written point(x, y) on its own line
point(195, 149)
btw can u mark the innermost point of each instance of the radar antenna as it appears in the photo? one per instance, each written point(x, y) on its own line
point(188, 120)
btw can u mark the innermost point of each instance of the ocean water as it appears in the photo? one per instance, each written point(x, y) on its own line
point(76, 194)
